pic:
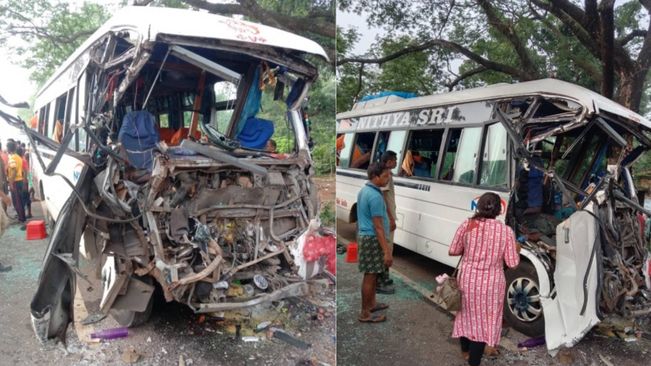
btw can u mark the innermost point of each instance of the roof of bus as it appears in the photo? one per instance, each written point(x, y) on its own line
point(546, 87)
point(151, 21)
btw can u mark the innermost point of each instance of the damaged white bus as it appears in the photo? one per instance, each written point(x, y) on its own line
point(559, 156)
point(152, 154)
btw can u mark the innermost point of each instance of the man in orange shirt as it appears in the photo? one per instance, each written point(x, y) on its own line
point(15, 175)
point(4, 159)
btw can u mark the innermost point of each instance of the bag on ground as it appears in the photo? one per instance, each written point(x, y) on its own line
point(450, 294)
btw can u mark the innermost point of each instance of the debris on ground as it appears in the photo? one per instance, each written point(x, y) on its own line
point(566, 357)
point(130, 355)
point(288, 338)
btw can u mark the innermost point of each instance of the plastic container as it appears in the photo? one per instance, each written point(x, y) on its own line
point(351, 253)
point(111, 333)
point(532, 342)
point(36, 230)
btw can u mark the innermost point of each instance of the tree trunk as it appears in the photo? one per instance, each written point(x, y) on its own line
point(631, 87)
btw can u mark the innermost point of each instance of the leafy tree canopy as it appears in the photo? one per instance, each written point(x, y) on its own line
point(470, 43)
point(41, 34)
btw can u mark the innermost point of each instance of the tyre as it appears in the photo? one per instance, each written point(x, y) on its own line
point(128, 318)
point(522, 304)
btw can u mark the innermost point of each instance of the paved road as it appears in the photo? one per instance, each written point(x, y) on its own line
point(418, 332)
point(172, 332)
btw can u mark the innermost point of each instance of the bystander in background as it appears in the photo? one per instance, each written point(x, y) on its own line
point(373, 228)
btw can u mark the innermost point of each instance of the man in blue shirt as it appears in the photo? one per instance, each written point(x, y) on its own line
point(372, 231)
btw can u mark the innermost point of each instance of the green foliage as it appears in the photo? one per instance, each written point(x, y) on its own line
point(312, 9)
point(41, 34)
point(549, 43)
point(321, 111)
point(411, 74)
point(327, 215)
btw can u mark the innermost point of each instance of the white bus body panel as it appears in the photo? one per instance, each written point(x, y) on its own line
point(565, 324)
point(427, 213)
point(54, 188)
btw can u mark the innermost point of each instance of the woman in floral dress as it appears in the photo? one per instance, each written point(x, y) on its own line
point(485, 245)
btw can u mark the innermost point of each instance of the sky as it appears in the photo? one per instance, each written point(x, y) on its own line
point(367, 34)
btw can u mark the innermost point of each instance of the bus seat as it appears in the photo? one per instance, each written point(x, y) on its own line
point(167, 134)
point(256, 133)
point(139, 135)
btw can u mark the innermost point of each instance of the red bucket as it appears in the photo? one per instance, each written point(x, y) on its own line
point(351, 252)
point(36, 230)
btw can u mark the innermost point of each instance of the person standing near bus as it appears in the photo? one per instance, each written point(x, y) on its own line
point(486, 245)
point(15, 178)
point(372, 231)
point(389, 160)
point(25, 197)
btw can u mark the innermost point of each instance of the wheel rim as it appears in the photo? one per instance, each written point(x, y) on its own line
point(523, 299)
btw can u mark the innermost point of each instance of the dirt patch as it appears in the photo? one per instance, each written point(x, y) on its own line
point(327, 188)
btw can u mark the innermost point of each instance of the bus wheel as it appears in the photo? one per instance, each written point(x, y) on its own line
point(522, 305)
point(128, 318)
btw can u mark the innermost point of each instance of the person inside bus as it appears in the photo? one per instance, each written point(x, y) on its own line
point(15, 178)
point(271, 146)
point(407, 166)
point(361, 155)
point(373, 227)
point(340, 144)
point(57, 134)
point(422, 165)
point(486, 245)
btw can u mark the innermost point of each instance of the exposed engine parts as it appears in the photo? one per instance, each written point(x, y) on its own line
point(205, 231)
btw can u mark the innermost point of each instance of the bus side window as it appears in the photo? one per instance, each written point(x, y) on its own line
point(461, 151)
point(362, 150)
point(395, 144)
point(82, 140)
point(68, 118)
point(42, 120)
point(344, 148)
point(493, 165)
point(56, 133)
point(381, 147)
point(422, 154)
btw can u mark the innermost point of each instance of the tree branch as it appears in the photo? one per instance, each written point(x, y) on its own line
point(591, 15)
point(607, 21)
point(573, 11)
point(644, 57)
point(586, 39)
point(495, 66)
point(634, 34)
point(359, 82)
point(251, 9)
point(465, 75)
point(508, 32)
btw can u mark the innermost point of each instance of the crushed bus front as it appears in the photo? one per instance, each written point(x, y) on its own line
point(178, 187)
